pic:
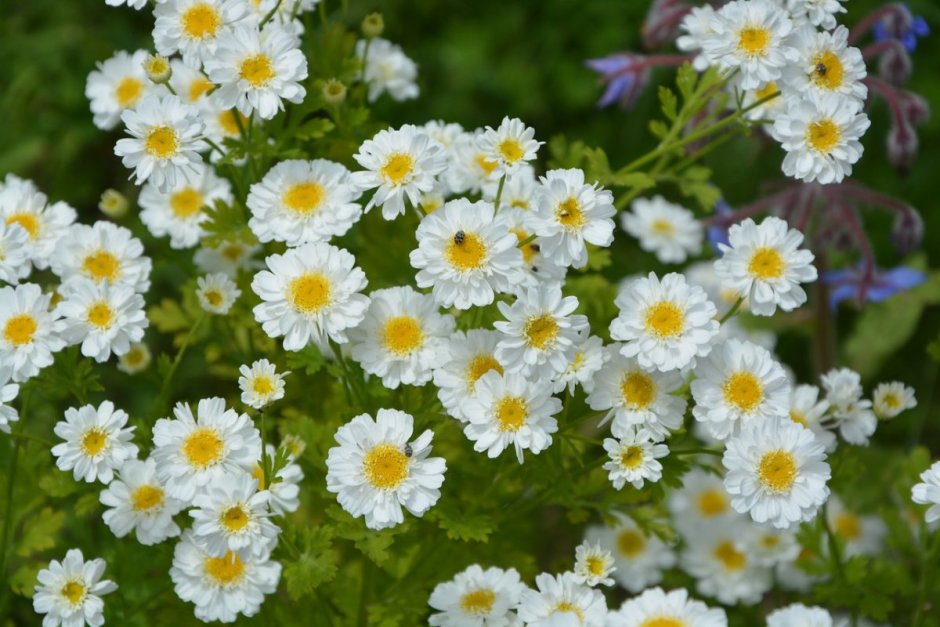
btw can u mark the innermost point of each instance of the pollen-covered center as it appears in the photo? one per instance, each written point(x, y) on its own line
point(19, 330)
point(485, 164)
point(823, 136)
point(26, 220)
point(848, 526)
point(263, 385)
point(186, 202)
point(663, 227)
point(743, 390)
point(145, 498)
point(402, 335)
point(229, 122)
point(200, 21)
point(712, 502)
point(631, 457)
point(566, 607)
point(128, 91)
point(304, 198)
point(198, 88)
point(798, 417)
point(731, 558)
point(257, 70)
point(73, 591)
point(101, 265)
point(101, 315)
point(630, 543)
point(766, 263)
point(595, 565)
point(202, 448)
point(569, 213)
point(478, 601)
point(664, 621)
point(754, 41)
point(94, 441)
point(511, 150)
point(214, 297)
point(397, 167)
point(162, 142)
point(665, 320)
point(225, 571)
point(828, 71)
point(385, 467)
point(540, 331)
point(511, 413)
point(638, 390)
point(309, 293)
point(235, 518)
point(479, 366)
point(468, 254)
point(777, 471)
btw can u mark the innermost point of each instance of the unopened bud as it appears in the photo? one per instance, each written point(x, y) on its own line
point(902, 145)
point(915, 108)
point(113, 203)
point(908, 230)
point(894, 65)
point(373, 25)
point(294, 445)
point(158, 69)
point(334, 92)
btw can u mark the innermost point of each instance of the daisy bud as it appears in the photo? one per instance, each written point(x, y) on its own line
point(334, 92)
point(158, 69)
point(373, 25)
point(113, 203)
point(902, 145)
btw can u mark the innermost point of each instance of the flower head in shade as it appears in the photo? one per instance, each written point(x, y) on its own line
point(873, 286)
point(639, 558)
point(217, 293)
point(633, 458)
point(69, 592)
point(593, 564)
point(388, 69)
point(890, 399)
point(624, 75)
point(799, 614)
point(561, 600)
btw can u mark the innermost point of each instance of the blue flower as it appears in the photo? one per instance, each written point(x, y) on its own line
point(907, 33)
point(881, 285)
point(626, 77)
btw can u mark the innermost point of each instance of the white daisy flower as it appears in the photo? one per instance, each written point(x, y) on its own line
point(399, 163)
point(633, 459)
point(257, 71)
point(193, 452)
point(217, 293)
point(765, 264)
point(231, 517)
point(862, 535)
point(69, 592)
point(402, 338)
point(164, 143)
point(799, 614)
point(570, 215)
point(477, 598)
point(46, 224)
point(890, 399)
point(133, 4)
point(827, 64)
point(511, 145)
point(303, 201)
point(14, 253)
point(377, 469)
point(221, 588)
point(593, 565)
point(104, 318)
point(738, 383)
point(181, 212)
point(509, 411)
point(775, 546)
point(806, 409)
point(821, 134)
point(561, 600)
point(466, 254)
point(853, 414)
point(137, 502)
point(770, 106)
point(190, 84)
point(469, 356)
point(695, 28)
point(136, 359)
point(721, 559)
point(311, 293)
point(28, 330)
point(193, 27)
point(284, 490)
point(470, 170)
point(666, 229)
point(537, 268)
point(928, 492)
point(664, 323)
point(639, 559)
point(637, 397)
point(261, 384)
point(444, 133)
point(701, 501)
point(96, 442)
point(387, 69)
point(8, 392)
point(585, 366)
point(751, 36)
point(820, 13)
point(657, 608)
point(777, 472)
point(102, 252)
point(229, 257)
point(117, 85)
point(519, 191)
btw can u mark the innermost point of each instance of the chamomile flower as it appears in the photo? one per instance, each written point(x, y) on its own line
point(570, 215)
point(738, 383)
point(799, 614)
point(540, 333)
point(402, 338)
point(862, 534)
point(477, 598)
point(399, 163)
point(593, 565)
point(664, 323)
point(511, 145)
point(256, 71)
point(777, 472)
point(8, 392)
point(510, 410)
point(118, 84)
point(655, 607)
point(261, 384)
point(720, 558)
point(193, 27)
point(466, 254)
point(14, 253)
point(164, 143)
point(821, 134)
point(221, 588)
point(663, 228)
point(96, 442)
point(827, 64)
point(444, 133)
point(928, 492)
point(190, 84)
point(180, 212)
point(820, 13)
point(105, 319)
point(138, 502)
point(228, 257)
point(890, 399)
point(701, 501)
point(69, 592)
point(28, 330)
point(637, 397)
point(639, 559)
point(193, 451)
point(471, 170)
point(633, 458)
point(468, 356)
point(584, 366)
point(377, 469)
point(853, 414)
point(217, 293)
point(102, 252)
point(775, 546)
point(303, 201)
point(311, 293)
point(136, 359)
point(231, 517)
point(562, 600)
point(387, 69)
point(806, 409)
point(134, 4)
point(45, 224)
point(765, 264)
point(696, 27)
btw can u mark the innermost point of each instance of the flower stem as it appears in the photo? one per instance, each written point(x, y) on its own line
point(499, 191)
point(160, 404)
point(732, 311)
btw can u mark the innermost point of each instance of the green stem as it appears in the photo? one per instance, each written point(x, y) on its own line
point(8, 518)
point(499, 191)
point(928, 557)
point(527, 240)
point(732, 311)
point(270, 14)
point(160, 405)
point(32, 438)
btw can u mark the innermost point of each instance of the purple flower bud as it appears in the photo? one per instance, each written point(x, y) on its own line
point(908, 231)
point(894, 65)
point(626, 76)
point(718, 234)
point(902, 145)
point(915, 108)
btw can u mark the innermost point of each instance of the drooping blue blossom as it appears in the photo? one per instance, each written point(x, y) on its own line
point(880, 285)
point(907, 33)
point(626, 77)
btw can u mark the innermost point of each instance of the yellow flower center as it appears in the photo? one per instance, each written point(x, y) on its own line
point(823, 136)
point(479, 366)
point(397, 168)
point(304, 198)
point(570, 608)
point(234, 519)
point(540, 331)
point(754, 41)
point(101, 265)
point(201, 21)
point(712, 502)
point(101, 315)
point(631, 457)
point(467, 255)
point(848, 526)
point(213, 297)
point(828, 72)
point(309, 293)
point(519, 203)
point(595, 565)
point(202, 448)
point(891, 400)
point(199, 88)
point(229, 122)
point(798, 417)
point(134, 356)
point(186, 203)
point(569, 213)
point(258, 475)
point(73, 591)
point(766, 91)
point(663, 227)
point(485, 164)
point(162, 142)
point(664, 320)
point(744, 391)
point(263, 385)
point(226, 570)
point(663, 621)
point(128, 91)
point(510, 150)
point(146, 497)
point(769, 541)
point(777, 471)
point(731, 558)
point(402, 335)
point(511, 413)
point(26, 220)
point(766, 263)
point(638, 390)
point(478, 602)
point(530, 250)
point(630, 543)
point(257, 70)
point(385, 467)
point(19, 330)
point(94, 441)
point(233, 252)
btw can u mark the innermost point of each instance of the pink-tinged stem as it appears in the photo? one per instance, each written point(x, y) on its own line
point(889, 93)
point(859, 30)
point(880, 47)
point(749, 210)
point(864, 246)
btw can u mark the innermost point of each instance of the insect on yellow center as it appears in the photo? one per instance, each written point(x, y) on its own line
point(663, 227)
point(478, 601)
point(161, 142)
point(186, 203)
point(226, 570)
point(101, 315)
point(19, 330)
point(128, 91)
point(402, 335)
point(397, 168)
point(101, 265)
point(145, 498)
point(731, 558)
point(638, 390)
point(309, 293)
point(468, 254)
point(566, 607)
point(540, 331)
point(712, 503)
point(511, 413)
point(198, 88)
point(385, 467)
point(631, 457)
point(73, 591)
point(754, 41)
point(479, 366)
point(26, 220)
point(630, 543)
point(257, 70)
point(663, 621)
point(664, 320)
point(510, 150)
point(94, 441)
point(744, 391)
point(202, 448)
point(485, 164)
point(234, 519)
point(848, 526)
point(569, 214)
point(304, 198)
point(823, 136)
point(766, 263)
point(200, 21)
point(828, 71)
point(263, 385)
point(777, 471)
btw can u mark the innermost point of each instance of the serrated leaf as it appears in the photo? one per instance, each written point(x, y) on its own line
point(686, 79)
point(40, 531)
point(58, 484)
point(314, 129)
point(86, 504)
point(658, 128)
point(23, 581)
point(598, 167)
point(598, 258)
point(309, 360)
point(472, 528)
point(637, 181)
point(225, 222)
point(316, 563)
point(669, 102)
point(168, 316)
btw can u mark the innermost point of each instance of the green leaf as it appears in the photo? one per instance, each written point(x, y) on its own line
point(40, 532)
point(598, 167)
point(669, 102)
point(467, 528)
point(637, 181)
point(686, 78)
point(23, 581)
point(58, 484)
point(309, 360)
point(168, 316)
point(314, 129)
point(86, 504)
point(598, 258)
point(225, 222)
point(659, 129)
point(316, 563)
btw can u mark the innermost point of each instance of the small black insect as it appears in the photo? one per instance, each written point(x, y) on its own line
point(535, 247)
point(821, 69)
point(459, 237)
point(564, 214)
point(408, 451)
point(535, 268)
